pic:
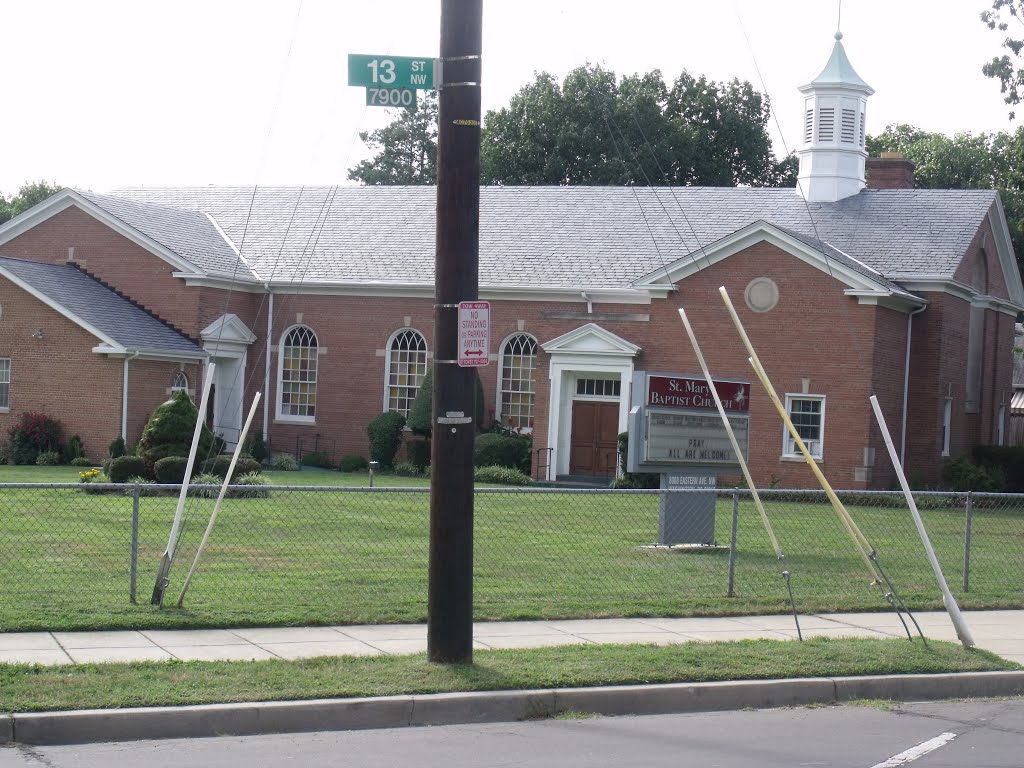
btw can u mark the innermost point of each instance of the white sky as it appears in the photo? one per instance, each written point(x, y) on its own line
point(107, 93)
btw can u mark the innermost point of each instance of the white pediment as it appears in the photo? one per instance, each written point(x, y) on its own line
point(591, 339)
point(228, 329)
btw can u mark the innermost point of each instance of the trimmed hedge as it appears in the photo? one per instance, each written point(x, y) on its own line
point(500, 476)
point(418, 452)
point(124, 468)
point(170, 469)
point(352, 462)
point(1006, 459)
point(218, 466)
point(493, 449)
point(385, 433)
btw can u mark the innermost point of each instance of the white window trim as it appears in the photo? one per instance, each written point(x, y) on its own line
point(527, 430)
point(279, 415)
point(947, 424)
point(387, 363)
point(789, 449)
point(7, 408)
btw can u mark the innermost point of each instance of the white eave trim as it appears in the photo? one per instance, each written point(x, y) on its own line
point(69, 197)
point(232, 245)
point(901, 302)
point(149, 354)
point(642, 295)
point(1004, 249)
point(935, 284)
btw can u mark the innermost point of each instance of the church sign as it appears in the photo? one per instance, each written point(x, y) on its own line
point(674, 423)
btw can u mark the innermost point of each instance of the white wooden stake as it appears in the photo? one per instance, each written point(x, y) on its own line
point(959, 623)
point(220, 498)
point(165, 560)
point(732, 437)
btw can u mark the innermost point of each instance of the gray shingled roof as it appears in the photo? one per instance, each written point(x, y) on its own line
point(593, 237)
point(103, 309)
point(188, 233)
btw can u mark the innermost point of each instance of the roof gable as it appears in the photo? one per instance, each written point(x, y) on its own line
point(591, 339)
point(121, 326)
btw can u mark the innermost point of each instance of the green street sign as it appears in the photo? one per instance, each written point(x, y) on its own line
point(392, 71)
point(391, 97)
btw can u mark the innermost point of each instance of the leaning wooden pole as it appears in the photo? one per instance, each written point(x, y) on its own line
point(220, 498)
point(959, 623)
point(859, 541)
point(732, 436)
point(167, 558)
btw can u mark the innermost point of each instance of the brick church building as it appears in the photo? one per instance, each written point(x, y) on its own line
point(322, 298)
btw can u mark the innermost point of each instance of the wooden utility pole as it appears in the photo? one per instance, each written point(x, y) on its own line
point(450, 591)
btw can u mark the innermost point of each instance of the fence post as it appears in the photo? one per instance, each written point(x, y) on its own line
point(732, 544)
point(967, 544)
point(133, 574)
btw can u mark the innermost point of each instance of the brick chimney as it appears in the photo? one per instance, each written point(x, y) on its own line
point(890, 171)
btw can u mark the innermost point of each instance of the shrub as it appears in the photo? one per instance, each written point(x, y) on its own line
point(1009, 460)
point(256, 447)
point(170, 469)
point(34, 433)
point(81, 461)
point(284, 462)
point(503, 450)
point(212, 483)
point(218, 466)
point(5, 454)
point(407, 469)
point(352, 462)
point(124, 467)
point(146, 487)
point(251, 485)
point(421, 410)
point(317, 459)
point(75, 449)
point(152, 455)
point(962, 474)
point(174, 423)
point(48, 459)
point(418, 452)
point(116, 448)
point(385, 432)
point(500, 475)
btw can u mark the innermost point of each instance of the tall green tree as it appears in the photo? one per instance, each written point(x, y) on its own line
point(407, 148)
point(29, 194)
point(1003, 15)
point(594, 128)
point(965, 161)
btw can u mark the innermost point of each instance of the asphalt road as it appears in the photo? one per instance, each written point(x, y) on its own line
point(975, 734)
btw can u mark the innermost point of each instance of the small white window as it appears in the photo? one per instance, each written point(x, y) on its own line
point(5, 383)
point(518, 367)
point(297, 375)
point(807, 412)
point(1000, 425)
point(180, 382)
point(947, 422)
point(407, 365)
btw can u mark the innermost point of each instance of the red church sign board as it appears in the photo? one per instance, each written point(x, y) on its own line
point(694, 394)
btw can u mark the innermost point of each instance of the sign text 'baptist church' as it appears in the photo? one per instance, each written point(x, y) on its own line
point(695, 394)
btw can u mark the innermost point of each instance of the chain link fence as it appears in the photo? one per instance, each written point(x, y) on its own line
point(323, 555)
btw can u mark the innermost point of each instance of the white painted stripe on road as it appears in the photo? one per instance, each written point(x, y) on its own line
point(920, 750)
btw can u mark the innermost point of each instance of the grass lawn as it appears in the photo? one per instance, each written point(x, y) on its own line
point(30, 689)
point(347, 555)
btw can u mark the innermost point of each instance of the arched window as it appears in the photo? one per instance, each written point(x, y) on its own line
point(297, 374)
point(518, 366)
point(407, 365)
point(180, 382)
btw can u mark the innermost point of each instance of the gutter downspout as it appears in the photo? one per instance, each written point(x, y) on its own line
point(590, 302)
point(266, 366)
point(124, 397)
point(906, 387)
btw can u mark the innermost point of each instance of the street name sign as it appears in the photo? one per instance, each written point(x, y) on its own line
point(393, 72)
point(474, 333)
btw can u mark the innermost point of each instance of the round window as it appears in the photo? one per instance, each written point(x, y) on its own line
point(762, 294)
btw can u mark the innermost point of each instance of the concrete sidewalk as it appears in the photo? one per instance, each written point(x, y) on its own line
point(1001, 632)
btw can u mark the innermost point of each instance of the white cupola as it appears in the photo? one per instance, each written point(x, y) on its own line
point(832, 149)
